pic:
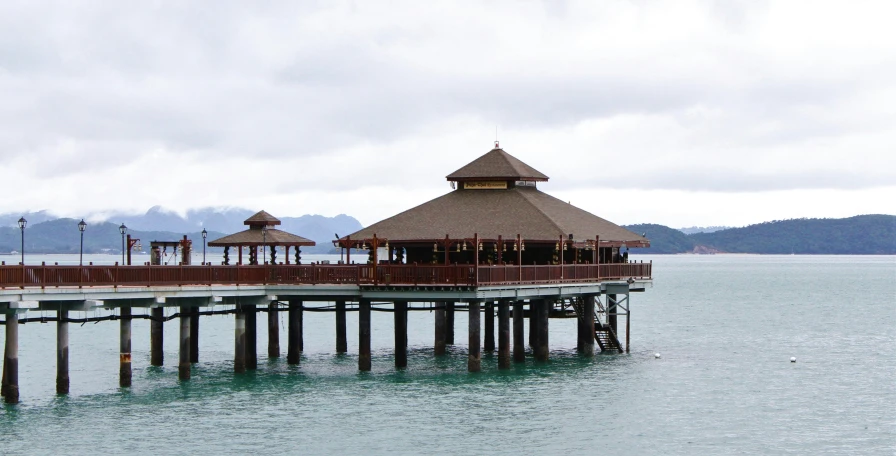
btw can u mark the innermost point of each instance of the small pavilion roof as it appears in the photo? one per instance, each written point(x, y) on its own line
point(262, 218)
point(497, 165)
point(255, 235)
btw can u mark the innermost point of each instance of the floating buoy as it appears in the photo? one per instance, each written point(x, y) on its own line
point(656, 355)
point(793, 359)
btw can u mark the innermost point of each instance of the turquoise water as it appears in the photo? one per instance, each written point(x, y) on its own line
point(726, 327)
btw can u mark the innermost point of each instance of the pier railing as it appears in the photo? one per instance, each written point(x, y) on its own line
point(30, 276)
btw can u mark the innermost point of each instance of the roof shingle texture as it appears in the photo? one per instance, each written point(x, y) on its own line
point(253, 236)
point(262, 218)
point(521, 210)
point(498, 165)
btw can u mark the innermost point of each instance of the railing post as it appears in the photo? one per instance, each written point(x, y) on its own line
point(416, 276)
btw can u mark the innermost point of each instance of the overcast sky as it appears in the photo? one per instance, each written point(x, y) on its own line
point(680, 113)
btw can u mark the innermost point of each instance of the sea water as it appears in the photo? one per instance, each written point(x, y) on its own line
point(725, 326)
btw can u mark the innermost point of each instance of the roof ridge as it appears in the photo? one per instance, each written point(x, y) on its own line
point(539, 209)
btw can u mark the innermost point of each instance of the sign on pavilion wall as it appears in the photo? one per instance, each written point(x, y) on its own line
point(486, 185)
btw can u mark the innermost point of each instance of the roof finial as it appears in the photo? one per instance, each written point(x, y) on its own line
point(497, 145)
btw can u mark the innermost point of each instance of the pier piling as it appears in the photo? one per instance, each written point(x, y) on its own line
point(251, 337)
point(503, 335)
point(11, 359)
point(440, 329)
point(183, 366)
point(541, 343)
point(194, 334)
point(489, 344)
point(401, 334)
point(62, 379)
point(124, 348)
point(364, 362)
point(239, 341)
point(294, 338)
point(341, 338)
point(533, 318)
point(449, 323)
point(474, 361)
point(273, 330)
point(519, 348)
point(156, 334)
point(585, 343)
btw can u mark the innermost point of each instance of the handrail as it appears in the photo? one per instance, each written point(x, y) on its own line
point(456, 275)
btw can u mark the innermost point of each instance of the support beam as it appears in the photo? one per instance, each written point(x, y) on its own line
point(449, 323)
point(239, 341)
point(440, 329)
point(541, 342)
point(294, 344)
point(124, 348)
point(585, 344)
point(611, 313)
point(11, 360)
point(341, 339)
point(519, 348)
point(62, 380)
point(474, 360)
point(251, 337)
point(364, 363)
point(274, 330)
point(156, 333)
point(503, 334)
point(183, 367)
point(489, 345)
point(194, 334)
point(401, 334)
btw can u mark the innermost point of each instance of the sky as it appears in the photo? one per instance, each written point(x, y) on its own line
point(683, 113)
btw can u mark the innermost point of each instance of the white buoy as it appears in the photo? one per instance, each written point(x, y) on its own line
point(793, 359)
point(656, 355)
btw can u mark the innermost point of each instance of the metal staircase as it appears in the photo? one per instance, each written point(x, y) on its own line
point(604, 335)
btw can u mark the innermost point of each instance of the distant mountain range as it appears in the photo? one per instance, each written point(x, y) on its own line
point(47, 234)
point(859, 235)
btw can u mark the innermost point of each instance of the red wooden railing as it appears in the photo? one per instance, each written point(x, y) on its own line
point(18, 276)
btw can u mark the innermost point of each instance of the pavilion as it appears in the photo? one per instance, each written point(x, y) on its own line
point(262, 234)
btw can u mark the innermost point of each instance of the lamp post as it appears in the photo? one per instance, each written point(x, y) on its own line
point(122, 229)
point(81, 227)
point(204, 236)
point(264, 242)
point(22, 223)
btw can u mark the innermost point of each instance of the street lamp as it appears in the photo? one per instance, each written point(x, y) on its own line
point(22, 223)
point(122, 229)
point(204, 236)
point(264, 242)
point(81, 227)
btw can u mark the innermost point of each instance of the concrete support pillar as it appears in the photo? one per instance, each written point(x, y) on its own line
point(611, 312)
point(11, 360)
point(440, 329)
point(274, 330)
point(585, 344)
point(401, 334)
point(251, 337)
point(62, 380)
point(474, 361)
point(364, 335)
point(533, 318)
point(239, 341)
point(503, 334)
point(341, 339)
point(124, 348)
point(489, 345)
point(519, 347)
point(194, 334)
point(294, 348)
point(541, 341)
point(156, 333)
point(183, 367)
point(449, 323)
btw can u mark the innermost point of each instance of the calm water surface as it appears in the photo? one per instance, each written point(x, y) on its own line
point(726, 327)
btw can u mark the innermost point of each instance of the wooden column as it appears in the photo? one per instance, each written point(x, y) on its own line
point(341, 339)
point(124, 348)
point(489, 326)
point(541, 342)
point(62, 380)
point(503, 334)
point(474, 360)
point(364, 335)
point(519, 347)
point(273, 330)
point(401, 334)
point(183, 367)
point(585, 344)
point(194, 334)
point(449, 323)
point(156, 333)
point(11, 360)
point(239, 341)
point(440, 329)
point(294, 343)
point(251, 337)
